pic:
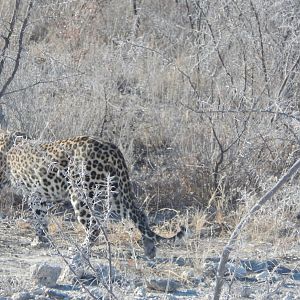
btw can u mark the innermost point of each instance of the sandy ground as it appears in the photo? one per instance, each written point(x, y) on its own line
point(185, 264)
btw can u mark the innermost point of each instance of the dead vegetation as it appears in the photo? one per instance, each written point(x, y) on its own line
point(202, 97)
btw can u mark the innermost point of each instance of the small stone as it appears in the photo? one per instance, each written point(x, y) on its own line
point(22, 296)
point(295, 276)
point(283, 270)
point(246, 291)
point(263, 276)
point(45, 274)
point(272, 264)
point(140, 292)
point(181, 261)
point(259, 266)
point(52, 294)
point(238, 271)
point(163, 285)
point(138, 283)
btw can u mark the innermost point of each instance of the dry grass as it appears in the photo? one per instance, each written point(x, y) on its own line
point(144, 95)
point(186, 100)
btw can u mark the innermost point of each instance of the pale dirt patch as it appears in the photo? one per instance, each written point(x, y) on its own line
point(188, 267)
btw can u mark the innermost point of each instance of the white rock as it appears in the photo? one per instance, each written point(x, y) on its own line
point(45, 274)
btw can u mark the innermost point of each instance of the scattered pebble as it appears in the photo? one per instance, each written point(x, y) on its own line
point(163, 285)
point(181, 261)
point(45, 274)
point(283, 270)
point(258, 266)
point(296, 276)
point(52, 294)
point(238, 271)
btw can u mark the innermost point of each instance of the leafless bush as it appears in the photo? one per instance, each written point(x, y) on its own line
point(201, 96)
point(206, 90)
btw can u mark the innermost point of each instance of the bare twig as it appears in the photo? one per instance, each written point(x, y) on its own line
point(84, 256)
point(214, 41)
point(8, 81)
point(223, 149)
point(105, 120)
point(262, 51)
point(219, 160)
point(137, 21)
point(189, 14)
point(243, 111)
point(170, 61)
point(282, 87)
point(233, 238)
point(40, 82)
point(20, 48)
point(99, 223)
point(10, 32)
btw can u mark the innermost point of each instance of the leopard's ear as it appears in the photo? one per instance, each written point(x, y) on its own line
point(19, 134)
point(17, 137)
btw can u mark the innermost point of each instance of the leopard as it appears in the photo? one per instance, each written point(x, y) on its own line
point(75, 169)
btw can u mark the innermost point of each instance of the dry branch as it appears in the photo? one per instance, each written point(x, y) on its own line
point(7, 42)
point(262, 51)
point(233, 238)
point(7, 38)
point(20, 48)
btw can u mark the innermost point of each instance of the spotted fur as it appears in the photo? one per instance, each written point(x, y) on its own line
point(76, 169)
